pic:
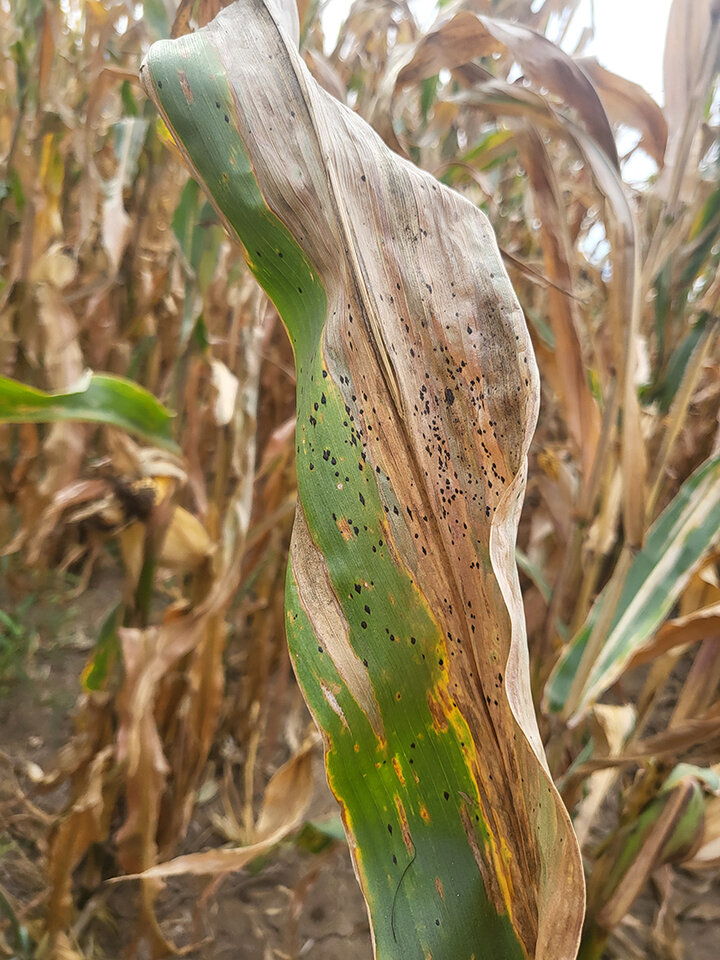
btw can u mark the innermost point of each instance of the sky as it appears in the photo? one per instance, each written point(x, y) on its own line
point(629, 34)
point(630, 39)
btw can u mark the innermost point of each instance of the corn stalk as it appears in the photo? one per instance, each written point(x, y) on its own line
point(417, 397)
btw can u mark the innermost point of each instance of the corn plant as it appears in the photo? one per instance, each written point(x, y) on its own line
point(113, 261)
point(417, 396)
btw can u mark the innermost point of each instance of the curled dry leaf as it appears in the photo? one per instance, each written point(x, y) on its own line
point(468, 36)
point(116, 223)
point(285, 803)
point(499, 97)
point(679, 632)
point(690, 49)
point(611, 726)
point(417, 397)
point(698, 736)
point(708, 854)
point(630, 104)
point(84, 823)
point(325, 74)
point(581, 409)
point(668, 830)
point(147, 656)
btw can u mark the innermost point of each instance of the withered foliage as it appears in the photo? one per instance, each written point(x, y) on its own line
point(111, 259)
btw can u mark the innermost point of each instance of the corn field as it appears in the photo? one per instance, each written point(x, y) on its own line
point(359, 427)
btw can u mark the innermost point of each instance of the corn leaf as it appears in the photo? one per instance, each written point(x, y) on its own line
point(416, 401)
point(675, 545)
point(629, 104)
point(467, 36)
point(98, 398)
point(668, 830)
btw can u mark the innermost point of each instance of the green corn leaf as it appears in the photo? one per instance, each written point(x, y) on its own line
point(417, 397)
point(97, 671)
point(98, 398)
point(675, 545)
point(664, 392)
point(668, 830)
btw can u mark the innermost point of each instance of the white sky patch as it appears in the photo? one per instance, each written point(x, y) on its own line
point(630, 39)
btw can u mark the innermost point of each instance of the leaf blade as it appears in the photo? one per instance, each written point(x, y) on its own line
point(674, 547)
point(376, 620)
point(98, 398)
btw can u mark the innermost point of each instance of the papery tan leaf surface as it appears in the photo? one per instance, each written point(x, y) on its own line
point(467, 36)
point(83, 824)
point(581, 409)
point(708, 854)
point(612, 724)
point(285, 803)
point(680, 631)
point(630, 104)
point(692, 52)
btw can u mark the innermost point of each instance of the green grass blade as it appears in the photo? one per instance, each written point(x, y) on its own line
point(417, 396)
point(675, 545)
point(99, 398)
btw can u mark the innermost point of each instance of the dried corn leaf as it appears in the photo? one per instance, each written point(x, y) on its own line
point(84, 823)
point(708, 854)
point(499, 97)
point(668, 830)
point(581, 409)
point(628, 103)
point(285, 803)
point(116, 223)
point(612, 725)
point(701, 624)
point(467, 36)
point(689, 26)
point(417, 396)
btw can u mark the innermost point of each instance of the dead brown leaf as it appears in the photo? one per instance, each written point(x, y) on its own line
point(628, 103)
point(468, 36)
point(581, 410)
point(286, 800)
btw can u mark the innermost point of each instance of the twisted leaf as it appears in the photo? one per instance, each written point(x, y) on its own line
point(417, 396)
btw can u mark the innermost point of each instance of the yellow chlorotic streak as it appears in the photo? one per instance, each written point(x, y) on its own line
point(405, 827)
point(501, 856)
